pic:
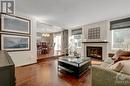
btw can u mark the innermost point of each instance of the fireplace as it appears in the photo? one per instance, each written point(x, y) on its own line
point(95, 52)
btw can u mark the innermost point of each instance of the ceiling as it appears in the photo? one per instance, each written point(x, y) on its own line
point(72, 13)
point(47, 28)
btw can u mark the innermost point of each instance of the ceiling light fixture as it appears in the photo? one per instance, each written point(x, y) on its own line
point(45, 35)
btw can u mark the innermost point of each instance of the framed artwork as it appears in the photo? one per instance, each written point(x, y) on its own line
point(10, 23)
point(15, 42)
point(94, 33)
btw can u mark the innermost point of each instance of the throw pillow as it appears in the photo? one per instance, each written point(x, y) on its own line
point(116, 56)
point(116, 67)
point(120, 53)
point(126, 67)
point(124, 58)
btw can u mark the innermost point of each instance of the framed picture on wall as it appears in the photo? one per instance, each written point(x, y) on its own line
point(15, 42)
point(15, 24)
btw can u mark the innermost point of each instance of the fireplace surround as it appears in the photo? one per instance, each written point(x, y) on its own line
point(103, 45)
point(102, 41)
point(94, 52)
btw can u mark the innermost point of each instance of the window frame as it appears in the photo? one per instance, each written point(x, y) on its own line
point(77, 46)
point(112, 40)
point(116, 25)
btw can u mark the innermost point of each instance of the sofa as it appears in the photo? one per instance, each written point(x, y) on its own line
point(114, 71)
point(105, 77)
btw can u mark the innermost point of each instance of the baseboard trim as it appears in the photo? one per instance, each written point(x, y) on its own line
point(49, 58)
point(26, 65)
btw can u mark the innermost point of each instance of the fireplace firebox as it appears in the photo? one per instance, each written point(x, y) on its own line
point(94, 52)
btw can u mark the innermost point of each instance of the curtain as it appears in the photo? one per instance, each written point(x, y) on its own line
point(64, 40)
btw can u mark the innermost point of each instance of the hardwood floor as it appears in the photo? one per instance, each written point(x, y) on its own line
point(50, 55)
point(42, 56)
point(46, 74)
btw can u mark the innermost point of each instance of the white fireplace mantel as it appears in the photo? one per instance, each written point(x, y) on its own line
point(101, 42)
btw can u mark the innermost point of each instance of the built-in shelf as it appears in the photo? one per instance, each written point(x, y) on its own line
point(96, 42)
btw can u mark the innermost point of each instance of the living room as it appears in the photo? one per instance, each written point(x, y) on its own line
point(65, 43)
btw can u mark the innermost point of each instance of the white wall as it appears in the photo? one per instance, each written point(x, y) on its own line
point(104, 27)
point(21, 58)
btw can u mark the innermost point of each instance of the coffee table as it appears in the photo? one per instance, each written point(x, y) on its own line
point(73, 65)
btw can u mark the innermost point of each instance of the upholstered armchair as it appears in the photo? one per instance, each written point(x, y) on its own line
point(106, 77)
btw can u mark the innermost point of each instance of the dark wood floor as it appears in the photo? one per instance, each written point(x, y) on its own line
point(46, 74)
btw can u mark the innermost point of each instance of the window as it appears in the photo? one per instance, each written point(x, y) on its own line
point(121, 38)
point(78, 40)
point(77, 37)
point(57, 43)
point(120, 33)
